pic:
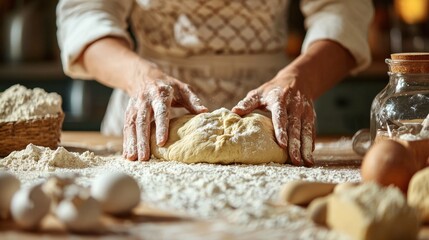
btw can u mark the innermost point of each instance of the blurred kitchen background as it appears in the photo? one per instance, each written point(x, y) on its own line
point(29, 55)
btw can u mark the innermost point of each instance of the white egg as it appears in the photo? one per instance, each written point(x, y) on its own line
point(29, 206)
point(9, 185)
point(118, 193)
point(78, 210)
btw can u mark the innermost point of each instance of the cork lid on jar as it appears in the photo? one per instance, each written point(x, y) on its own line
point(414, 62)
point(410, 56)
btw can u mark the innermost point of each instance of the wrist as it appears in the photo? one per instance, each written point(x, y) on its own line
point(298, 78)
point(138, 73)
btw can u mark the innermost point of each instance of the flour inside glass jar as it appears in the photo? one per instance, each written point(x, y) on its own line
point(400, 111)
point(407, 130)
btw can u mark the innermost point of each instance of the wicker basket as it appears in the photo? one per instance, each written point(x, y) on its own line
point(17, 135)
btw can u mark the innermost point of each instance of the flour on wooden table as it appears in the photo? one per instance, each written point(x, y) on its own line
point(243, 195)
point(20, 103)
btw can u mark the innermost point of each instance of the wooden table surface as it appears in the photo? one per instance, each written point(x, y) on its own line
point(331, 150)
point(111, 227)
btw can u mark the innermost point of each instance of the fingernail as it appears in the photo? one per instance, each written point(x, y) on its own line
point(295, 155)
point(282, 139)
point(160, 141)
point(142, 156)
point(131, 151)
point(310, 162)
point(203, 109)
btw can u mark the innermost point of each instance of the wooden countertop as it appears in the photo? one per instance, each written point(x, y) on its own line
point(329, 150)
point(92, 139)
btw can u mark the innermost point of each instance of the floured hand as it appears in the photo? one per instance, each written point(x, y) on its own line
point(152, 97)
point(292, 112)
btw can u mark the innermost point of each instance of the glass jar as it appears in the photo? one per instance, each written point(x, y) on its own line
point(400, 109)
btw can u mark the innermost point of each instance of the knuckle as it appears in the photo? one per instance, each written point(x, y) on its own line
point(164, 91)
point(187, 90)
point(131, 104)
point(186, 87)
point(307, 128)
point(130, 118)
point(161, 115)
point(128, 125)
point(140, 121)
point(253, 94)
point(293, 119)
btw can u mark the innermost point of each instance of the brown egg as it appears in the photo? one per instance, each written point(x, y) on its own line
point(388, 163)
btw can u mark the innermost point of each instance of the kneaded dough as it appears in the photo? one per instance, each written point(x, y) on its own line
point(220, 137)
point(418, 193)
point(372, 212)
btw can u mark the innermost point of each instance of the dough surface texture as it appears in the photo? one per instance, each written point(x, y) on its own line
point(372, 212)
point(220, 137)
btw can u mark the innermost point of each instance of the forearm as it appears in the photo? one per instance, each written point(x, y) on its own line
point(113, 63)
point(323, 65)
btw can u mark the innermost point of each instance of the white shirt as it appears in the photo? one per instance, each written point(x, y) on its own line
point(191, 39)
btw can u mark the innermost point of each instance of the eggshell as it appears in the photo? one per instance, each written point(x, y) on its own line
point(80, 212)
point(55, 187)
point(9, 185)
point(29, 206)
point(118, 193)
point(388, 163)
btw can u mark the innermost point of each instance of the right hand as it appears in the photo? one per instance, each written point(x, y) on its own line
point(287, 97)
point(152, 96)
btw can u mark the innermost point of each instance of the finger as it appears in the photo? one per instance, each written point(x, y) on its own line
point(294, 129)
point(277, 107)
point(248, 104)
point(129, 132)
point(190, 100)
point(308, 133)
point(161, 111)
point(143, 130)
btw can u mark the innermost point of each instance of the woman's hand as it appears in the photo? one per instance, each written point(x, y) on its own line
point(292, 112)
point(152, 96)
point(289, 96)
point(112, 62)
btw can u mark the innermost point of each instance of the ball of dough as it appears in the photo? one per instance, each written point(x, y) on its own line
point(118, 193)
point(372, 212)
point(418, 193)
point(345, 186)
point(220, 137)
point(300, 192)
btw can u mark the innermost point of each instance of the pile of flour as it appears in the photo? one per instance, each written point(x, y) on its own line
point(244, 196)
point(20, 103)
point(37, 158)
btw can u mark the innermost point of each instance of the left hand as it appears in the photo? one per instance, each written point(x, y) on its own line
point(292, 112)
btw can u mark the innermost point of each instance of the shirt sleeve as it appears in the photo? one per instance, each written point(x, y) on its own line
point(81, 22)
point(343, 21)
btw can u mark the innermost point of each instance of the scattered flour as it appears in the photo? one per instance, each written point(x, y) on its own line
point(342, 143)
point(243, 196)
point(20, 103)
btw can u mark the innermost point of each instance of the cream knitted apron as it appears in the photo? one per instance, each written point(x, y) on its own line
point(222, 48)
